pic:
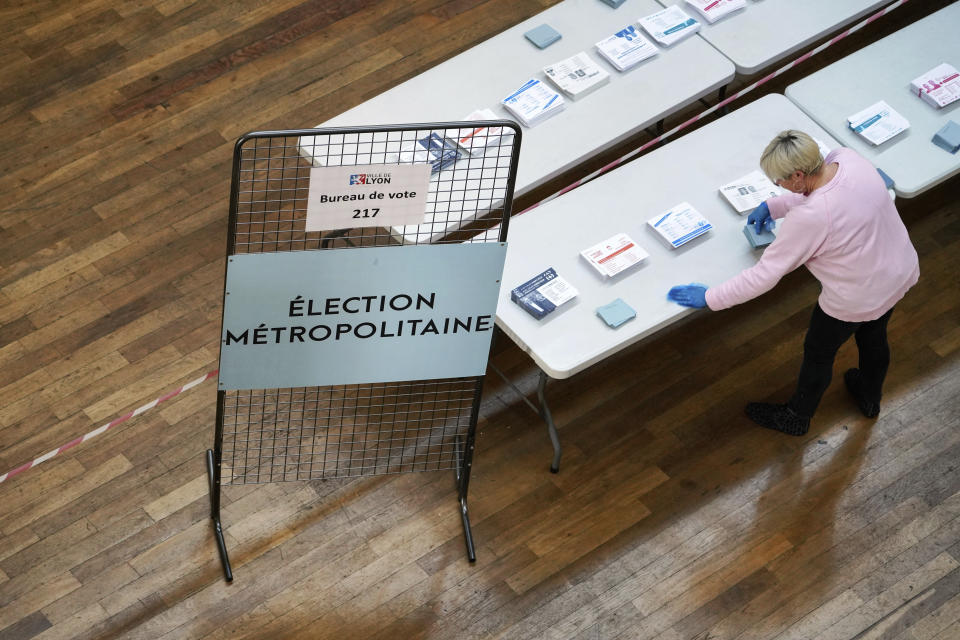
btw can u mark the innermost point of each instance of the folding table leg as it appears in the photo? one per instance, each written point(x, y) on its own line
point(551, 428)
point(542, 410)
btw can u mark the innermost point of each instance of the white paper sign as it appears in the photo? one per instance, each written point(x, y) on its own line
point(372, 195)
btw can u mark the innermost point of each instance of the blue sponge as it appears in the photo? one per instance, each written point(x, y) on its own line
point(616, 313)
point(948, 137)
point(542, 36)
point(758, 240)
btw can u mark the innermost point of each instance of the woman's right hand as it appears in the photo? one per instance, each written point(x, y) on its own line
point(760, 218)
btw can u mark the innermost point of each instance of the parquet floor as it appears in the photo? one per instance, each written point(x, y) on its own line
point(672, 518)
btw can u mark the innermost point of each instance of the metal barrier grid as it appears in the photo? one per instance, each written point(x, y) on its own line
point(340, 431)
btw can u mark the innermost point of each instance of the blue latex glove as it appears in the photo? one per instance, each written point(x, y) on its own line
point(689, 295)
point(760, 218)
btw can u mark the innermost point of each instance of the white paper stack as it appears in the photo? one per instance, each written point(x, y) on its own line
point(746, 193)
point(680, 224)
point(626, 48)
point(939, 87)
point(475, 141)
point(533, 103)
point(577, 75)
point(433, 149)
point(878, 123)
point(670, 25)
point(713, 10)
point(541, 295)
point(614, 255)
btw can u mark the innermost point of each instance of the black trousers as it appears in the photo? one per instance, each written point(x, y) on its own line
point(824, 338)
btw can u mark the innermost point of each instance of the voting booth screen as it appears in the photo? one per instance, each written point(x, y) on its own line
point(370, 191)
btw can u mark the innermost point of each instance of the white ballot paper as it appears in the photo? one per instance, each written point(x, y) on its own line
point(615, 254)
point(670, 25)
point(475, 141)
point(577, 75)
point(713, 10)
point(626, 48)
point(680, 224)
point(878, 122)
point(939, 87)
point(746, 193)
point(533, 102)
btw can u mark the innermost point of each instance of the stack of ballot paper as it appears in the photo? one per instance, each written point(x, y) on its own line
point(533, 103)
point(626, 48)
point(433, 149)
point(939, 87)
point(474, 141)
point(713, 10)
point(614, 255)
point(576, 76)
point(746, 193)
point(878, 123)
point(670, 25)
point(680, 224)
point(543, 293)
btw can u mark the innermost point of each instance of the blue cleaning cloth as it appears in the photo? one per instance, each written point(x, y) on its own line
point(616, 313)
point(542, 36)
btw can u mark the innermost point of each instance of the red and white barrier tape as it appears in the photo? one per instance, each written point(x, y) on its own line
point(107, 427)
point(719, 105)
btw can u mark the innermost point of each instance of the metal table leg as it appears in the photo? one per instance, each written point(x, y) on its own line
point(551, 428)
point(543, 411)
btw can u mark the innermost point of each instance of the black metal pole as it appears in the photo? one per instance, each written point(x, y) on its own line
point(214, 462)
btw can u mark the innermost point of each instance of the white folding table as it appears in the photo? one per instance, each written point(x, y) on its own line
point(883, 71)
point(769, 30)
point(691, 169)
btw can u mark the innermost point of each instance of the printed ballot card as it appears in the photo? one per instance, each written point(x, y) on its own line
point(680, 225)
point(614, 255)
point(939, 86)
point(878, 123)
point(626, 48)
point(669, 25)
point(376, 195)
point(746, 193)
point(543, 293)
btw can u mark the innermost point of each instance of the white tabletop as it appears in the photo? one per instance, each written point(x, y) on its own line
point(481, 76)
point(769, 30)
point(691, 169)
point(883, 71)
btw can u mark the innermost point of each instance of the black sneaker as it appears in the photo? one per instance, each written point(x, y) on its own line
point(855, 386)
point(778, 417)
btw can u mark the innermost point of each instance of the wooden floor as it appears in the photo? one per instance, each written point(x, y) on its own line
point(673, 518)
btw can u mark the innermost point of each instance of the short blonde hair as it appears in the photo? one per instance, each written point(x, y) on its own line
point(791, 151)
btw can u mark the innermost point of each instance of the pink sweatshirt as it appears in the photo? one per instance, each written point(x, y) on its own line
point(848, 234)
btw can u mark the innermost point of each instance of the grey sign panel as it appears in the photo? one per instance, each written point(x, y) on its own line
point(362, 315)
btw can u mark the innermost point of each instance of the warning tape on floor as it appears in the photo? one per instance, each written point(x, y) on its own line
point(107, 427)
point(719, 105)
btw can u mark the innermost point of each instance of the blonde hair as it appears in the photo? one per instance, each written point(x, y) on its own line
point(791, 151)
